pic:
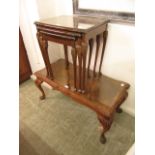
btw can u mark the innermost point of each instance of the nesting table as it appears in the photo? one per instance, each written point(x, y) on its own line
point(80, 78)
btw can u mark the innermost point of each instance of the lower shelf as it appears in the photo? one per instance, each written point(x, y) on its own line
point(101, 90)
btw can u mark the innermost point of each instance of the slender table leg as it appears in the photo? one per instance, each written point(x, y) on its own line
point(74, 57)
point(44, 50)
point(84, 54)
point(106, 124)
point(91, 43)
point(81, 49)
point(66, 56)
point(79, 54)
point(97, 51)
point(67, 66)
point(105, 33)
point(38, 83)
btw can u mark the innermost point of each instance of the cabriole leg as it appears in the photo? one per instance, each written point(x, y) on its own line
point(106, 124)
point(38, 83)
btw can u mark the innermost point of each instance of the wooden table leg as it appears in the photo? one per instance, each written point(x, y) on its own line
point(106, 124)
point(82, 53)
point(79, 54)
point(84, 57)
point(74, 57)
point(91, 44)
point(66, 56)
point(98, 38)
point(38, 83)
point(105, 34)
point(44, 50)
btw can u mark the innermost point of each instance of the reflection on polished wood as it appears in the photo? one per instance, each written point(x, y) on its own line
point(102, 94)
point(102, 89)
point(74, 23)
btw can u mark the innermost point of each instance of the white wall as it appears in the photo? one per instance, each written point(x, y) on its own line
point(31, 11)
point(119, 53)
point(51, 8)
point(119, 59)
point(108, 5)
point(27, 15)
point(131, 151)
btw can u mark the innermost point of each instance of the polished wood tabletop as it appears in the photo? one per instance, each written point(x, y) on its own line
point(73, 23)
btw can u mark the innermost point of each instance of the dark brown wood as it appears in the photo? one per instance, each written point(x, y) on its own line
point(67, 66)
point(66, 56)
point(102, 94)
point(59, 82)
point(84, 54)
point(61, 27)
point(44, 49)
point(59, 39)
point(105, 33)
point(24, 65)
point(106, 124)
point(74, 58)
point(91, 43)
point(79, 53)
point(97, 88)
point(97, 51)
point(38, 83)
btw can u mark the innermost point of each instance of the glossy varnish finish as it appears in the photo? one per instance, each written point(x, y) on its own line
point(89, 87)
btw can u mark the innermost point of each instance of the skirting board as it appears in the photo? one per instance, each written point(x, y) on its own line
point(128, 110)
point(131, 151)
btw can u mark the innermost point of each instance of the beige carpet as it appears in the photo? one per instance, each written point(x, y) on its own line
point(60, 126)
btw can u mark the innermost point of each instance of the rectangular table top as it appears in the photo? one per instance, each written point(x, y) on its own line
point(72, 23)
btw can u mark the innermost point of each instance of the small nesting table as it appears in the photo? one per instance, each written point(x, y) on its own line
point(81, 77)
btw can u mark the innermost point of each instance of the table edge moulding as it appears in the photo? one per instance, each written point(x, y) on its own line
point(103, 94)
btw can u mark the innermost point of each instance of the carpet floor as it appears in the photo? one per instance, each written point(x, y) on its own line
point(60, 126)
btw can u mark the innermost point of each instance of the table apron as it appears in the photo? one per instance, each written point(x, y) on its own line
point(62, 39)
